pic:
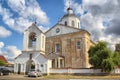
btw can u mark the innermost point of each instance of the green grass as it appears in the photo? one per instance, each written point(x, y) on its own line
point(83, 77)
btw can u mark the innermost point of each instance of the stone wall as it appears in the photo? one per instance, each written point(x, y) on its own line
point(74, 58)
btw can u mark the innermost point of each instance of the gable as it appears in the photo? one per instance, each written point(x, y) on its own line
point(41, 58)
point(60, 29)
point(22, 58)
point(37, 57)
point(34, 28)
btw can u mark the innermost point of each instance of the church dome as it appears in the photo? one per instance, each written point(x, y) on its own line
point(70, 19)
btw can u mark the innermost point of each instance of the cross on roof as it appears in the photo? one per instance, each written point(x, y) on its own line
point(70, 2)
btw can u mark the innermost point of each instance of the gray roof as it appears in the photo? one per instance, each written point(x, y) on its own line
point(53, 55)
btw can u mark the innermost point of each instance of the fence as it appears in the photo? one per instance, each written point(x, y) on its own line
point(80, 71)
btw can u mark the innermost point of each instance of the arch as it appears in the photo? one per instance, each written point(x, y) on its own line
point(19, 68)
point(32, 40)
point(30, 64)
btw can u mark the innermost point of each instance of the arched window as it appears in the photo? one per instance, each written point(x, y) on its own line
point(73, 23)
point(65, 23)
point(32, 40)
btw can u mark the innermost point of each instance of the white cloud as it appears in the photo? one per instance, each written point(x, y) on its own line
point(106, 11)
point(12, 51)
point(29, 9)
point(22, 14)
point(76, 6)
point(1, 45)
point(44, 29)
point(5, 13)
point(97, 2)
point(93, 25)
point(4, 32)
point(17, 5)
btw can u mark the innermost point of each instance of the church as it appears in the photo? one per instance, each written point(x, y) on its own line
point(65, 45)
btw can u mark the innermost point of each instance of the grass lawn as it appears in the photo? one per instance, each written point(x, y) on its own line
point(84, 77)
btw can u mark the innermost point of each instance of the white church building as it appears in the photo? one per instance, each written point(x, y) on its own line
point(33, 53)
point(64, 45)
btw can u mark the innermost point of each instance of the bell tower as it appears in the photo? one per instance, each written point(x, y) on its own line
point(34, 39)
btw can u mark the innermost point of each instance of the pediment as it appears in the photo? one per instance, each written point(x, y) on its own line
point(60, 29)
point(33, 28)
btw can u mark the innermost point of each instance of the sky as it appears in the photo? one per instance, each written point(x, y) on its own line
point(99, 17)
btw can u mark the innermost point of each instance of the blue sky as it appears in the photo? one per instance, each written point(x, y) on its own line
point(100, 18)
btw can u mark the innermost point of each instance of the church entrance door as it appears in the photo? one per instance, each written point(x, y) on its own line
point(30, 65)
point(19, 68)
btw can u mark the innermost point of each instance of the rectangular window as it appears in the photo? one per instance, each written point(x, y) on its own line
point(57, 48)
point(78, 45)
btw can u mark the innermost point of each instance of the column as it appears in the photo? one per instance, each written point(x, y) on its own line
point(24, 68)
point(63, 63)
point(58, 63)
point(55, 63)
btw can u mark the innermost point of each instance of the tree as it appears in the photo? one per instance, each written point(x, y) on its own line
point(2, 63)
point(101, 57)
point(116, 58)
point(107, 65)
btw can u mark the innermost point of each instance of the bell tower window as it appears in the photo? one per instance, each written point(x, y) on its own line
point(32, 40)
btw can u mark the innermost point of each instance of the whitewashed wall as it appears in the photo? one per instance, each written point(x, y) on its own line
point(117, 71)
point(79, 71)
point(37, 57)
point(59, 71)
point(69, 21)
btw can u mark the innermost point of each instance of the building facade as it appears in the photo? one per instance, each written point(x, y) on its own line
point(65, 45)
point(117, 47)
